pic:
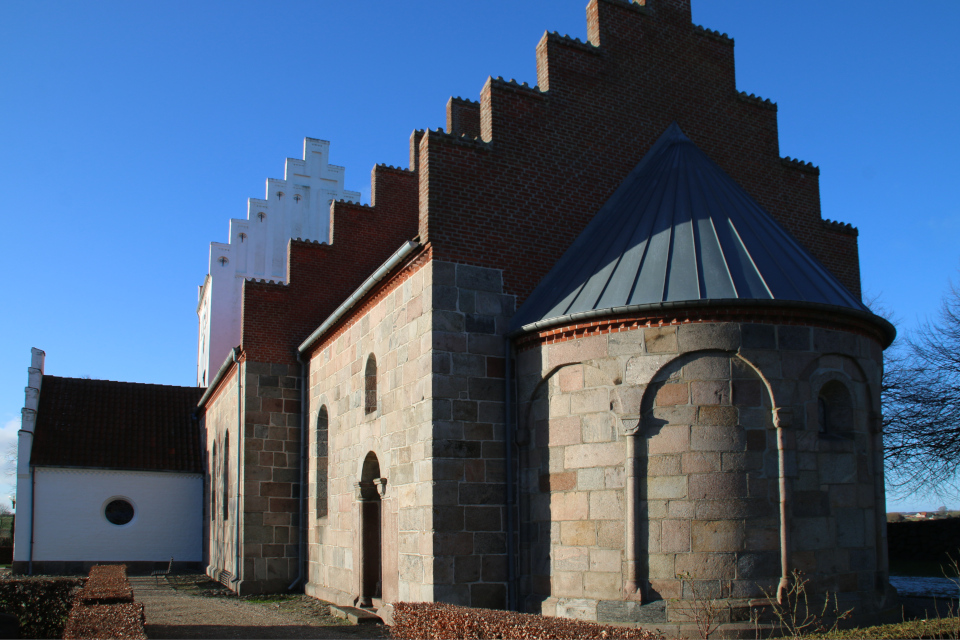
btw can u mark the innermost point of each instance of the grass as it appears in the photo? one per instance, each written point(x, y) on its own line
point(936, 628)
point(270, 598)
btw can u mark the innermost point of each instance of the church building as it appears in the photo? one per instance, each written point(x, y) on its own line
point(596, 337)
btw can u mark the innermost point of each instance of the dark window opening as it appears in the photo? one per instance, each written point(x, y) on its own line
point(370, 385)
point(322, 440)
point(225, 484)
point(118, 512)
point(835, 410)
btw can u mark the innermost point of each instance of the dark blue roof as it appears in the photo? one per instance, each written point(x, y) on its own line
point(679, 229)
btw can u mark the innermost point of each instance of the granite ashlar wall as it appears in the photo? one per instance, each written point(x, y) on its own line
point(219, 420)
point(725, 453)
point(437, 433)
point(394, 330)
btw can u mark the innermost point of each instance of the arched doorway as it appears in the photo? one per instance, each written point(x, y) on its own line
point(370, 489)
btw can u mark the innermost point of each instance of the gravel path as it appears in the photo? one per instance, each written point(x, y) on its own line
point(183, 613)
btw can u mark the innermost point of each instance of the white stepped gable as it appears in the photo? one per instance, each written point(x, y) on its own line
point(298, 206)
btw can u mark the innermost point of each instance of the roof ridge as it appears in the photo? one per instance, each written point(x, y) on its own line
point(689, 221)
point(461, 138)
point(794, 163)
point(841, 227)
point(519, 87)
point(125, 382)
point(569, 40)
point(713, 35)
point(757, 100)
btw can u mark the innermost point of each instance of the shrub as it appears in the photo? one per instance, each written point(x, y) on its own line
point(40, 605)
point(123, 620)
point(436, 621)
point(105, 607)
point(107, 584)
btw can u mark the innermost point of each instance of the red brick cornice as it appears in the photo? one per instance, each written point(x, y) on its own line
point(819, 316)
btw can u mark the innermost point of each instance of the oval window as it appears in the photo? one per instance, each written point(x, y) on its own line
point(118, 511)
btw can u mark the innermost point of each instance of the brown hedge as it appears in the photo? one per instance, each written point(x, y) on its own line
point(104, 608)
point(107, 584)
point(122, 620)
point(438, 621)
point(40, 604)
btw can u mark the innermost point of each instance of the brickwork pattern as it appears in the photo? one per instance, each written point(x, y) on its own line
point(549, 156)
point(717, 408)
point(278, 317)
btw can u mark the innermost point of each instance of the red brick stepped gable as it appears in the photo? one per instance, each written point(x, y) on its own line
point(548, 157)
point(277, 317)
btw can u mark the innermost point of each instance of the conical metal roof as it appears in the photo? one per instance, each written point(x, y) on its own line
point(679, 229)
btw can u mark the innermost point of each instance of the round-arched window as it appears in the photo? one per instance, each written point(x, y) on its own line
point(835, 409)
point(119, 511)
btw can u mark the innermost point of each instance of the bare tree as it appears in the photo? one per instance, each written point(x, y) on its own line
point(10, 459)
point(921, 406)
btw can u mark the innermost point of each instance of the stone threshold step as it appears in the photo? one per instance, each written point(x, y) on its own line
point(355, 615)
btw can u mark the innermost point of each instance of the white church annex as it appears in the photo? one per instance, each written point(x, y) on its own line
point(107, 472)
point(114, 471)
point(296, 207)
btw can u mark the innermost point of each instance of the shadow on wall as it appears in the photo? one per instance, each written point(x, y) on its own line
point(708, 471)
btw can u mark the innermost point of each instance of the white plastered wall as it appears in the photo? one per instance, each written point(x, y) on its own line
point(69, 524)
point(296, 207)
point(21, 542)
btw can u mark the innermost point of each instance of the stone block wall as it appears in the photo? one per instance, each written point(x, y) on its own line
point(271, 476)
point(698, 451)
point(468, 518)
point(436, 332)
point(220, 419)
point(394, 328)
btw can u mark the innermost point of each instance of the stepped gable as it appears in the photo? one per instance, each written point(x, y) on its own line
point(117, 425)
point(679, 229)
point(278, 317)
point(556, 152)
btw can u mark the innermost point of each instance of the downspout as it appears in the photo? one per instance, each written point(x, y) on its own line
point(783, 420)
point(508, 448)
point(301, 556)
point(33, 492)
point(236, 508)
point(221, 372)
point(232, 358)
point(398, 256)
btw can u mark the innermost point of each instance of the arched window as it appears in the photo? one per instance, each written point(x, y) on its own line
point(322, 440)
point(370, 385)
point(834, 409)
point(225, 484)
point(213, 481)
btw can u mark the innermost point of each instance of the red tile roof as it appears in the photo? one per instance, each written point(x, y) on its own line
point(117, 425)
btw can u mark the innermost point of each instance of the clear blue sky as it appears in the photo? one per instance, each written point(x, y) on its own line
point(130, 132)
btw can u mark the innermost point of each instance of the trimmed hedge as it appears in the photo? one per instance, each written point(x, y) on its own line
point(105, 607)
point(41, 605)
point(107, 584)
point(121, 620)
point(438, 621)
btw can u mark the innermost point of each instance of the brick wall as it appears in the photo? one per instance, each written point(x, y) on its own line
point(549, 156)
point(278, 317)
